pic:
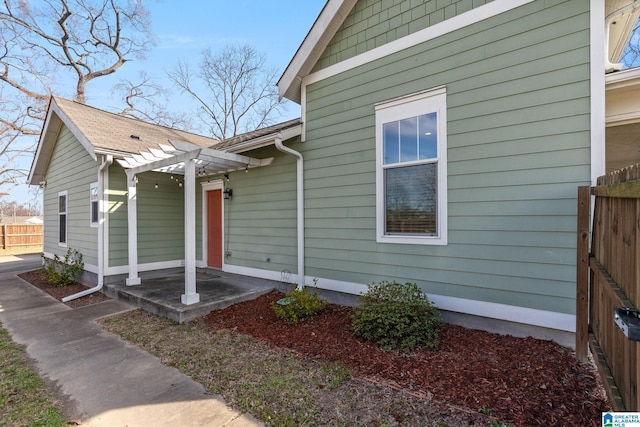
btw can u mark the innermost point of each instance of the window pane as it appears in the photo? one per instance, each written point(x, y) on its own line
point(94, 193)
point(62, 203)
point(94, 212)
point(63, 228)
point(391, 143)
point(409, 139)
point(428, 134)
point(411, 199)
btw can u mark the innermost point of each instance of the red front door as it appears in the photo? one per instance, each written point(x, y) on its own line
point(214, 228)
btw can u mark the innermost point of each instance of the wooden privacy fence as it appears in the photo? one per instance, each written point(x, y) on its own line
point(20, 236)
point(609, 277)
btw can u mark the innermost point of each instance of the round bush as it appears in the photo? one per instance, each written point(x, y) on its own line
point(397, 316)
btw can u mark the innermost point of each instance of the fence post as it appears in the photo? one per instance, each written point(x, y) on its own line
point(582, 274)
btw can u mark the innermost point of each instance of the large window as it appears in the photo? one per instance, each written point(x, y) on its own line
point(62, 218)
point(94, 204)
point(412, 169)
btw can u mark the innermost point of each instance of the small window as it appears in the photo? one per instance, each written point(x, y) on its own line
point(411, 171)
point(94, 201)
point(62, 218)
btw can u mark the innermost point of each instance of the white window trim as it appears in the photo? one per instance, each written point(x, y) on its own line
point(429, 101)
point(66, 218)
point(91, 187)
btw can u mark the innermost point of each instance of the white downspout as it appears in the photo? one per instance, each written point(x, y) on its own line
point(300, 205)
point(106, 162)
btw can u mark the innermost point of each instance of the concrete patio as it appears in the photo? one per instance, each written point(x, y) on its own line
point(161, 294)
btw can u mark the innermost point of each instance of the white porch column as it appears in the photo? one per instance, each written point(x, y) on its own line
point(190, 295)
point(132, 222)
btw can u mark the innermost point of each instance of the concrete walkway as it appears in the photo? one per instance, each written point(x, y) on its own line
point(103, 380)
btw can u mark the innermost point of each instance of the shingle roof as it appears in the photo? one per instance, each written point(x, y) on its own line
point(108, 131)
point(239, 139)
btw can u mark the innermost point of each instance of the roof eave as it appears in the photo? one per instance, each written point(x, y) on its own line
point(56, 117)
point(266, 140)
point(325, 27)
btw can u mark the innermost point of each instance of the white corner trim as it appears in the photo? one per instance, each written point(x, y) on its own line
point(597, 100)
point(473, 16)
point(510, 313)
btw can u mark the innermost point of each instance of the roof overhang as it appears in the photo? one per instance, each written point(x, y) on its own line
point(622, 119)
point(56, 117)
point(622, 15)
point(266, 140)
point(325, 27)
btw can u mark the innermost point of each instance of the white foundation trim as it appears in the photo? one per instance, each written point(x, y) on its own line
point(124, 269)
point(257, 272)
point(510, 313)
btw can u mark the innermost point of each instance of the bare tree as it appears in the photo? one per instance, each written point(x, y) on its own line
point(233, 89)
point(45, 43)
point(146, 100)
point(631, 54)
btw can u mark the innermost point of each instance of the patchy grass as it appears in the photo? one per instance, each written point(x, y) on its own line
point(278, 386)
point(24, 399)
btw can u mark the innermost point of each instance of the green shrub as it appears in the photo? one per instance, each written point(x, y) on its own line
point(396, 316)
point(298, 305)
point(63, 272)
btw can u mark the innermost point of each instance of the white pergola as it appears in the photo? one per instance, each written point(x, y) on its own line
point(180, 158)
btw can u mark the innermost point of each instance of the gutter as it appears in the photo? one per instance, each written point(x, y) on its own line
point(300, 205)
point(106, 162)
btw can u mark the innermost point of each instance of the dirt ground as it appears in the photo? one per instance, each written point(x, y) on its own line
point(518, 381)
point(524, 381)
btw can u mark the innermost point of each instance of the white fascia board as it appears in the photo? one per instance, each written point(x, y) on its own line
point(624, 78)
point(471, 17)
point(48, 139)
point(324, 28)
point(74, 130)
point(266, 140)
point(44, 148)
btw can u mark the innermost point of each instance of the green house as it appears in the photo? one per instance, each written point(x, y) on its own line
point(441, 142)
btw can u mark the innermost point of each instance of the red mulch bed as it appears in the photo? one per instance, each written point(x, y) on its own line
point(58, 293)
point(520, 381)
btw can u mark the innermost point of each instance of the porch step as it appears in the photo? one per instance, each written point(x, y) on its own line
point(162, 296)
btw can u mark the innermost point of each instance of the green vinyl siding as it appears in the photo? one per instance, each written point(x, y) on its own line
point(518, 146)
point(373, 23)
point(73, 170)
point(160, 218)
point(260, 218)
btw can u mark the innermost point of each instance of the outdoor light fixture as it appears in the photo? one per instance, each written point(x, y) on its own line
point(156, 184)
point(228, 193)
point(226, 176)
